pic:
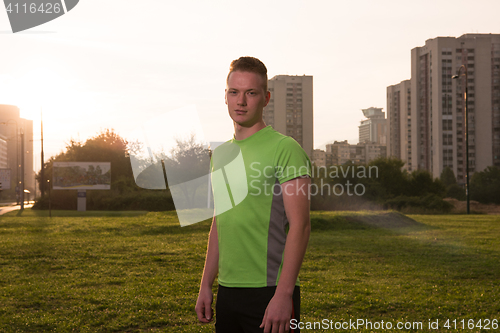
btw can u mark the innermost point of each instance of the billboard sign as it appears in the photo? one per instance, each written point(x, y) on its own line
point(81, 176)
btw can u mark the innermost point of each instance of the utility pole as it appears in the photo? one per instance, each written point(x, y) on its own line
point(42, 179)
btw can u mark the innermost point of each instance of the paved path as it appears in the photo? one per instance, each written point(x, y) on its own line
point(6, 209)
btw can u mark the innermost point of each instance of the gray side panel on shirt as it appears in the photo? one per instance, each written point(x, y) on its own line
point(277, 235)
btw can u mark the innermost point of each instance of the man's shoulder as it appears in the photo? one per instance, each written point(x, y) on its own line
point(280, 139)
point(287, 143)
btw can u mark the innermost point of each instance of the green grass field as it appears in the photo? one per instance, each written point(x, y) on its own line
point(139, 272)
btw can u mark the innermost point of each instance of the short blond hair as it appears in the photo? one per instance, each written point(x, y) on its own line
point(249, 64)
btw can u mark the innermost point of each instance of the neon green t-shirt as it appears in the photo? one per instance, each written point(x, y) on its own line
point(252, 233)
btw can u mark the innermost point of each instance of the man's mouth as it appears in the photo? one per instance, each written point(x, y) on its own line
point(240, 111)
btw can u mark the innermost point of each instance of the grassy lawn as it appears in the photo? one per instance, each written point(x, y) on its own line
point(139, 272)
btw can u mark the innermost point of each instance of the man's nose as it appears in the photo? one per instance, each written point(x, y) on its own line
point(242, 99)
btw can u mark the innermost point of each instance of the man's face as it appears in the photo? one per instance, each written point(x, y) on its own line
point(246, 98)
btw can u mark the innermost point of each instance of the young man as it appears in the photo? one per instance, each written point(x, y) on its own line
point(258, 262)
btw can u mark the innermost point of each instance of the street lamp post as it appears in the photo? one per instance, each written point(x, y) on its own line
point(42, 182)
point(466, 120)
point(50, 198)
point(22, 169)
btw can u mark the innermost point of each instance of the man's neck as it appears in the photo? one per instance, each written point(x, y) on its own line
point(241, 132)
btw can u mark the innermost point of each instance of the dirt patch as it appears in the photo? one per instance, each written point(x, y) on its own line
point(460, 207)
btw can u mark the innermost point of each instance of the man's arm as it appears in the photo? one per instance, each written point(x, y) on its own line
point(205, 297)
point(296, 201)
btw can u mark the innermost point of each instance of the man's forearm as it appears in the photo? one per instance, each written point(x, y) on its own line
point(297, 209)
point(295, 249)
point(212, 259)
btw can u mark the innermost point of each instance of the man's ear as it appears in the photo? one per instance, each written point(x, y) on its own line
point(225, 96)
point(268, 97)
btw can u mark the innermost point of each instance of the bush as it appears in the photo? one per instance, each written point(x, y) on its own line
point(422, 184)
point(455, 191)
point(485, 185)
point(448, 177)
point(430, 203)
point(106, 200)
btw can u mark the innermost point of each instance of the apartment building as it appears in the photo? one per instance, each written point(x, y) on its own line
point(290, 110)
point(399, 122)
point(321, 158)
point(436, 131)
point(341, 152)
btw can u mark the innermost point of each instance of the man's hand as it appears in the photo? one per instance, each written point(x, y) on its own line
point(278, 314)
point(204, 306)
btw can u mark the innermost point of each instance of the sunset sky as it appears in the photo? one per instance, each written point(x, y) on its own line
point(120, 63)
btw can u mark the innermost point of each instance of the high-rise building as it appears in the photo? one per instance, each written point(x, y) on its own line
point(3, 152)
point(399, 122)
point(290, 110)
point(11, 127)
point(437, 104)
point(374, 128)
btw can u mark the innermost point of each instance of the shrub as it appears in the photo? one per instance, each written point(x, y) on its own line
point(455, 191)
point(106, 200)
point(485, 185)
point(429, 203)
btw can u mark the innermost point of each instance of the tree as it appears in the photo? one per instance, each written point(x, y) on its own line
point(187, 169)
point(485, 185)
point(391, 177)
point(448, 177)
point(453, 190)
point(107, 146)
point(422, 184)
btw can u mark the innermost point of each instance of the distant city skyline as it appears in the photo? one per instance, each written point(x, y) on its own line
point(114, 64)
point(427, 114)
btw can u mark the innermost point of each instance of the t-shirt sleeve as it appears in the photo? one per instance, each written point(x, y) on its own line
point(291, 161)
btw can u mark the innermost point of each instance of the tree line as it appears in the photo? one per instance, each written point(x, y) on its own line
point(380, 184)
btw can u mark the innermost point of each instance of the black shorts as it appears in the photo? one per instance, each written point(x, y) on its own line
point(241, 310)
